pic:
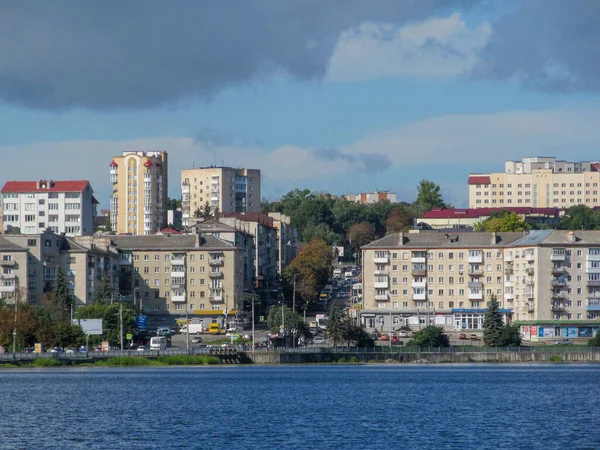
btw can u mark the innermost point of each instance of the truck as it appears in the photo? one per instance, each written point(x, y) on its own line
point(337, 274)
point(321, 320)
point(192, 328)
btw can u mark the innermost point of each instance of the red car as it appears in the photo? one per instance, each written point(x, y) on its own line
point(462, 336)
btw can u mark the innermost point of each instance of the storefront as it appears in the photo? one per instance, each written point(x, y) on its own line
point(472, 319)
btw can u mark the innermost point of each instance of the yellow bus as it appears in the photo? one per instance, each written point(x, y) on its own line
point(214, 328)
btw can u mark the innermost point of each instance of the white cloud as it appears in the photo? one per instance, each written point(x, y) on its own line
point(437, 47)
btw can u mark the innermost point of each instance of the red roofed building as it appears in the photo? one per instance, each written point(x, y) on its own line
point(439, 218)
point(61, 206)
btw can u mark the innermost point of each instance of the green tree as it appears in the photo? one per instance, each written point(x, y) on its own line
point(335, 324)
point(293, 321)
point(428, 196)
point(361, 234)
point(502, 222)
point(109, 313)
point(355, 335)
point(61, 300)
point(580, 217)
point(595, 341)
point(430, 336)
point(104, 291)
point(510, 336)
point(493, 326)
point(206, 212)
point(173, 203)
point(197, 213)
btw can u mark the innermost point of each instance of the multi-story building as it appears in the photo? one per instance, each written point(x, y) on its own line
point(225, 189)
point(139, 198)
point(266, 245)
point(539, 182)
point(30, 207)
point(170, 275)
point(287, 238)
point(546, 281)
point(439, 218)
point(421, 278)
point(30, 263)
point(371, 197)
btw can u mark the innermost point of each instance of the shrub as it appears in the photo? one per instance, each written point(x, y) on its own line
point(188, 360)
point(555, 358)
point(46, 363)
point(124, 361)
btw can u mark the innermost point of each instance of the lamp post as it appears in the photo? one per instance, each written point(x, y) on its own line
point(15, 330)
point(253, 340)
point(187, 327)
point(294, 308)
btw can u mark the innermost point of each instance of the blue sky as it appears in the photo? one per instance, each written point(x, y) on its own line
point(375, 98)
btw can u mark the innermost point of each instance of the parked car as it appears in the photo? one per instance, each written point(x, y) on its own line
point(403, 333)
point(384, 337)
point(474, 337)
point(319, 340)
point(164, 331)
point(55, 350)
point(197, 340)
point(462, 336)
point(564, 341)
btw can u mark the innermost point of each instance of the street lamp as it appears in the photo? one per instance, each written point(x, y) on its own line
point(294, 308)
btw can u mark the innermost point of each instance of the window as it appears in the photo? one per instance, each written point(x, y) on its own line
point(156, 257)
point(31, 242)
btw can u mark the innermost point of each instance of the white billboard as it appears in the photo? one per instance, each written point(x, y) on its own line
point(89, 326)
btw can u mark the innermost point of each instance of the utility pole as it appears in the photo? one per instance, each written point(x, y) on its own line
point(294, 309)
point(15, 330)
point(121, 322)
point(253, 340)
point(187, 328)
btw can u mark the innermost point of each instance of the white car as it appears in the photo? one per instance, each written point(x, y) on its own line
point(318, 340)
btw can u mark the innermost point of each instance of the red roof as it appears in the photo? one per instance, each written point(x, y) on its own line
point(170, 231)
point(456, 213)
point(113, 164)
point(479, 179)
point(148, 163)
point(57, 186)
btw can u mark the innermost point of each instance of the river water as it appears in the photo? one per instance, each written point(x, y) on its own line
point(303, 407)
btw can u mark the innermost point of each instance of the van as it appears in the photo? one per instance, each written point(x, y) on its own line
point(214, 328)
point(158, 343)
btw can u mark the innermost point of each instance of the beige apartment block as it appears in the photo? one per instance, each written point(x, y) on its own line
point(139, 192)
point(173, 274)
point(429, 277)
point(539, 182)
point(226, 189)
point(287, 239)
point(30, 262)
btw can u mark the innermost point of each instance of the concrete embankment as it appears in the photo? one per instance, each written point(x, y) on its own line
point(425, 357)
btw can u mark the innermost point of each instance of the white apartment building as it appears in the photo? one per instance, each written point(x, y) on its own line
point(32, 207)
point(139, 199)
point(367, 198)
point(539, 182)
point(226, 189)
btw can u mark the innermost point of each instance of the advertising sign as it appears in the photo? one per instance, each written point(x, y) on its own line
point(37, 348)
point(105, 346)
point(569, 332)
point(541, 332)
point(89, 326)
point(585, 332)
point(534, 331)
point(142, 322)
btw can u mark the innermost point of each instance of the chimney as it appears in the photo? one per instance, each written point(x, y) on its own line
point(495, 238)
point(571, 236)
point(401, 238)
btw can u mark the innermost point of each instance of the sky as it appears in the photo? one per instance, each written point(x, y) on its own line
point(339, 96)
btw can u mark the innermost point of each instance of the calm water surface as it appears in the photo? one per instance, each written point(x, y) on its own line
point(303, 407)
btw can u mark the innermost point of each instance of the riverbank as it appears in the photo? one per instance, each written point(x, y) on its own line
point(118, 361)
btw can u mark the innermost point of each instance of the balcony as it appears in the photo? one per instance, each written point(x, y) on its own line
point(419, 272)
point(558, 283)
point(7, 288)
point(419, 296)
point(530, 271)
point(179, 298)
point(381, 272)
point(382, 297)
point(8, 276)
point(185, 188)
point(558, 270)
point(589, 257)
point(177, 286)
point(215, 262)
point(177, 273)
point(215, 274)
point(594, 283)
point(218, 298)
point(11, 263)
point(558, 257)
point(419, 259)
point(558, 296)
point(419, 284)
point(476, 258)
point(475, 273)
point(557, 308)
point(475, 295)
point(529, 282)
point(508, 258)
point(509, 295)
point(382, 259)
point(531, 308)
point(509, 271)
point(529, 294)
point(381, 284)
point(529, 256)
point(475, 285)
point(178, 261)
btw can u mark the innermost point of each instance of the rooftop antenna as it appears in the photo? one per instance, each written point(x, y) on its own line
point(193, 164)
point(214, 158)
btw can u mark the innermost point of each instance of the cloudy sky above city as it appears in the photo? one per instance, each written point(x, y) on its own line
point(342, 96)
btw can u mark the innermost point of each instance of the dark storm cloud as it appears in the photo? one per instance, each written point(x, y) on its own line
point(548, 45)
point(102, 55)
point(367, 162)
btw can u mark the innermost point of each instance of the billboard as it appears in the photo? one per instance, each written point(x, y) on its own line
point(585, 332)
point(89, 326)
point(142, 322)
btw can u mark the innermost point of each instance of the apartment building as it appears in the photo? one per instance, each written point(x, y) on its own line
point(287, 240)
point(539, 182)
point(226, 189)
point(366, 198)
point(30, 207)
point(426, 277)
point(138, 204)
point(30, 262)
point(266, 245)
point(439, 218)
point(174, 274)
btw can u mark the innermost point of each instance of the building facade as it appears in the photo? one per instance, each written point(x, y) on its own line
point(174, 274)
point(287, 239)
point(226, 189)
point(139, 192)
point(439, 218)
point(539, 182)
point(30, 207)
point(371, 197)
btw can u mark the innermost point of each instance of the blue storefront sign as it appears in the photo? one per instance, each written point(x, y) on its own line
point(142, 321)
point(585, 332)
point(569, 332)
point(541, 332)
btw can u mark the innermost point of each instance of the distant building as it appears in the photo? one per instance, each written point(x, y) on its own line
point(371, 197)
point(538, 182)
point(139, 198)
point(31, 207)
point(439, 218)
point(174, 217)
point(102, 221)
point(225, 189)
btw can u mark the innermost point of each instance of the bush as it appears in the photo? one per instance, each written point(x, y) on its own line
point(188, 360)
point(46, 363)
point(595, 341)
point(430, 336)
point(555, 358)
point(125, 361)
